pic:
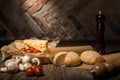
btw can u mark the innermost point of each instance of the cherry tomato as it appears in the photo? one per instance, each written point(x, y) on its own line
point(24, 49)
point(31, 50)
point(35, 51)
point(28, 50)
point(29, 72)
point(34, 66)
point(37, 70)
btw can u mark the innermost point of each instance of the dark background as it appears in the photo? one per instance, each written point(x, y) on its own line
point(58, 19)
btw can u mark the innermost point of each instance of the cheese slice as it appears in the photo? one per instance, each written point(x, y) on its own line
point(20, 45)
point(41, 45)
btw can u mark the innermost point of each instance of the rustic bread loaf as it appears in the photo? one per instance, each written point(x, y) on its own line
point(89, 56)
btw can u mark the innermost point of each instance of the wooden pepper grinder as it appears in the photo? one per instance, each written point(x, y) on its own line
point(106, 69)
point(100, 46)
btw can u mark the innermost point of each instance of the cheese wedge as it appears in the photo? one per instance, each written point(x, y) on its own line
point(20, 45)
point(41, 45)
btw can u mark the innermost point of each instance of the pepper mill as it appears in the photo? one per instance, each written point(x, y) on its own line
point(106, 69)
point(100, 46)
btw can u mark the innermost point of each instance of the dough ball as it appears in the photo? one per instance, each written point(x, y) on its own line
point(59, 58)
point(89, 56)
point(72, 59)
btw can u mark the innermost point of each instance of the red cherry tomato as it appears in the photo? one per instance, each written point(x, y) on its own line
point(28, 50)
point(31, 50)
point(38, 71)
point(34, 66)
point(35, 51)
point(29, 72)
point(24, 49)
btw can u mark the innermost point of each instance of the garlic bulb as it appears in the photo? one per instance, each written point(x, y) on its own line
point(8, 61)
point(35, 61)
point(11, 65)
point(27, 65)
point(26, 59)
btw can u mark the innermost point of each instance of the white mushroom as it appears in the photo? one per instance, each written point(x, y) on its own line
point(35, 61)
point(27, 65)
point(26, 59)
point(21, 67)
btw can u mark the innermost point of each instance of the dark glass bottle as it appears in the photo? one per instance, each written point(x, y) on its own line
point(100, 46)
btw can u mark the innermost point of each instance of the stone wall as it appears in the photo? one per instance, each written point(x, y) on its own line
point(58, 19)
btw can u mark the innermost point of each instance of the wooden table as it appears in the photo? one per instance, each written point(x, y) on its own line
point(51, 72)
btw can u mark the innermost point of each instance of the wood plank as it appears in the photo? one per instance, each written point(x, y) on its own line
point(72, 73)
point(51, 72)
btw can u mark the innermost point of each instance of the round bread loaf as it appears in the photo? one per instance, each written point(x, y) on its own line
point(72, 59)
point(59, 58)
point(89, 56)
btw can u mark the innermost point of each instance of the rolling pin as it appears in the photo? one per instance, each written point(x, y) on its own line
point(111, 57)
point(108, 68)
point(77, 49)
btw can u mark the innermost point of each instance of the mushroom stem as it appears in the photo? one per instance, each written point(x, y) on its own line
point(35, 61)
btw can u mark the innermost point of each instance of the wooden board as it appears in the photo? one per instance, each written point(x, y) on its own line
point(51, 72)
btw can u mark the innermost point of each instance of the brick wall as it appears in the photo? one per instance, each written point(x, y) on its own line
point(58, 19)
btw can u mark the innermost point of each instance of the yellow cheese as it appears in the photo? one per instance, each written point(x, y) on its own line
point(41, 45)
point(20, 45)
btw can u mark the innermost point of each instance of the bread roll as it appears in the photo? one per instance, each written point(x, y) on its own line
point(89, 56)
point(59, 58)
point(72, 59)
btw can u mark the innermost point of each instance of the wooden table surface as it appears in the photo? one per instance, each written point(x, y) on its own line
point(51, 72)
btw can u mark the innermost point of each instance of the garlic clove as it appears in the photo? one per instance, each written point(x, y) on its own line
point(21, 67)
point(35, 61)
point(27, 65)
point(3, 69)
point(26, 59)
